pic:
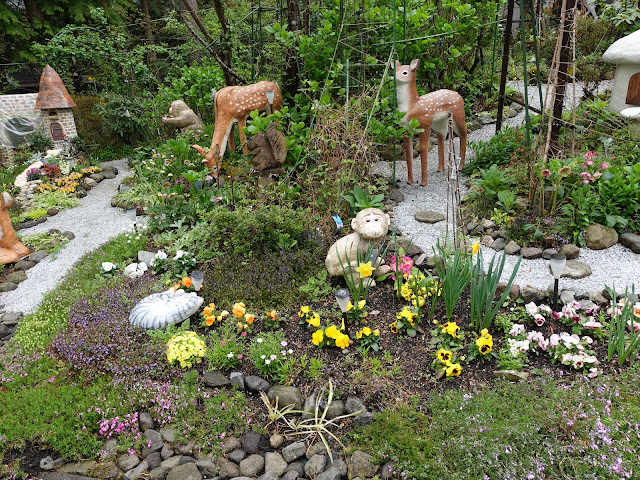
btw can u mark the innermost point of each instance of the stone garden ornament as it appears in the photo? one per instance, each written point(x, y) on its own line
point(159, 310)
point(11, 250)
point(269, 150)
point(181, 116)
point(233, 105)
point(432, 111)
point(370, 227)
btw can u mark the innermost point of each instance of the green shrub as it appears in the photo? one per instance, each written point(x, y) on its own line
point(497, 151)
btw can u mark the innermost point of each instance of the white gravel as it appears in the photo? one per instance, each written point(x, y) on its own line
point(616, 266)
point(93, 223)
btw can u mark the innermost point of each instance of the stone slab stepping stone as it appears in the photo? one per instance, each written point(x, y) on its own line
point(631, 241)
point(428, 216)
point(215, 378)
point(159, 310)
point(8, 287)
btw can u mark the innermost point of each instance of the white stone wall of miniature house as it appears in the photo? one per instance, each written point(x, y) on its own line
point(56, 105)
point(625, 55)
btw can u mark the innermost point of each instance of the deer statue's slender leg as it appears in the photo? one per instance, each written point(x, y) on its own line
point(424, 155)
point(408, 154)
point(242, 122)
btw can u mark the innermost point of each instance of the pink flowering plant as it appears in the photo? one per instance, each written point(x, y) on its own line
point(582, 320)
point(226, 348)
point(573, 351)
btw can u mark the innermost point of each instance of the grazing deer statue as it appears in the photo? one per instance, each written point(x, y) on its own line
point(432, 111)
point(233, 105)
point(10, 247)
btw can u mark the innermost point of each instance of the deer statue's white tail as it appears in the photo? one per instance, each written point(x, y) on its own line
point(432, 111)
point(233, 105)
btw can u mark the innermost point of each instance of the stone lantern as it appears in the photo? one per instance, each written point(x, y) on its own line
point(55, 104)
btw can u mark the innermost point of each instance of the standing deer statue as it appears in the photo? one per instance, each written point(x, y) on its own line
point(432, 111)
point(11, 250)
point(233, 105)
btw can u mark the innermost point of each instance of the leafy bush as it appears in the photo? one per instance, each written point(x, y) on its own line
point(226, 348)
point(497, 151)
point(268, 352)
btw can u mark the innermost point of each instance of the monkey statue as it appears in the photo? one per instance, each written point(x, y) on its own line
point(181, 116)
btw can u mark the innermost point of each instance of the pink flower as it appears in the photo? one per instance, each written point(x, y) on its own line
point(243, 334)
point(223, 343)
point(586, 175)
point(239, 356)
point(546, 172)
point(589, 155)
point(597, 175)
point(604, 165)
point(51, 379)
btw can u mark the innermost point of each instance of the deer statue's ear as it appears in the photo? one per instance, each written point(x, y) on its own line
point(414, 65)
point(398, 64)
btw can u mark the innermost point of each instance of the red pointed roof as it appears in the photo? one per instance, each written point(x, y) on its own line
point(53, 93)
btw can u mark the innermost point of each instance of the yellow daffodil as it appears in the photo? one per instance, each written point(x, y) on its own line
point(239, 310)
point(365, 269)
point(314, 321)
point(454, 370)
point(444, 355)
point(475, 247)
point(342, 341)
point(303, 311)
point(451, 328)
point(332, 332)
point(317, 337)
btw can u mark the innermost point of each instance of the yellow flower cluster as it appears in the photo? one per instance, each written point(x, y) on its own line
point(332, 335)
point(450, 369)
point(484, 342)
point(66, 184)
point(90, 170)
point(417, 288)
point(309, 316)
point(407, 315)
point(451, 328)
point(185, 348)
point(210, 315)
point(366, 331)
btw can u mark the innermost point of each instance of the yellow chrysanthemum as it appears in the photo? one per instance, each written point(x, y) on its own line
point(317, 337)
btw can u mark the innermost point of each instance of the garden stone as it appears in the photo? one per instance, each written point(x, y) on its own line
point(597, 298)
point(16, 277)
point(4, 330)
point(532, 294)
point(486, 241)
point(410, 248)
point(335, 409)
point(386, 472)
point(106, 471)
point(28, 224)
point(599, 237)
point(419, 260)
point(316, 449)
point(78, 468)
point(338, 465)
point(276, 440)
point(297, 467)
point(512, 248)
point(230, 444)
point(567, 297)
point(485, 118)
point(154, 442)
point(81, 193)
point(477, 230)
point(237, 455)
point(256, 384)
point(145, 420)
point(428, 216)
point(24, 265)
point(315, 465)
point(89, 183)
point(169, 463)
point(146, 257)
point(293, 451)
point(128, 462)
point(252, 465)
point(362, 465)
point(108, 174)
point(396, 195)
point(251, 442)
point(137, 471)
point(8, 287)
point(12, 318)
point(110, 168)
point(365, 418)
point(580, 294)
point(168, 434)
point(383, 270)
point(38, 256)
point(96, 177)
point(62, 476)
point(499, 244)
point(269, 475)
point(330, 474)
point(487, 224)
point(159, 310)
point(292, 475)
point(570, 251)
point(394, 229)
point(500, 234)
point(548, 252)
point(274, 462)
point(237, 379)
point(68, 234)
point(631, 241)
point(286, 395)
point(41, 220)
point(166, 451)
point(531, 253)
point(48, 463)
point(228, 469)
point(159, 473)
point(188, 471)
point(154, 460)
point(216, 379)
point(575, 269)
point(354, 404)
point(207, 467)
point(470, 226)
point(512, 375)
point(185, 448)
point(587, 305)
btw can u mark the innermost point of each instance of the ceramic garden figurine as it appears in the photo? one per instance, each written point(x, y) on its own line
point(432, 111)
point(233, 105)
point(269, 150)
point(370, 227)
point(11, 250)
point(181, 116)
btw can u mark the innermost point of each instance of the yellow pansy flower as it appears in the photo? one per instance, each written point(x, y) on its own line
point(342, 341)
point(332, 332)
point(303, 311)
point(451, 328)
point(314, 321)
point(454, 370)
point(444, 355)
point(317, 337)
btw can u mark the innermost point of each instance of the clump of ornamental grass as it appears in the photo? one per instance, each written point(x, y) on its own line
point(100, 340)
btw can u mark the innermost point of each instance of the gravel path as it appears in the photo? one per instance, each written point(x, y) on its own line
point(93, 223)
point(615, 266)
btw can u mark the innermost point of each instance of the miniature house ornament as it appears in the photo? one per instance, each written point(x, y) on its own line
point(625, 55)
point(432, 111)
point(55, 103)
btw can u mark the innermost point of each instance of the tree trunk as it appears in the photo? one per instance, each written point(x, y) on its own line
point(225, 44)
point(32, 10)
point(148, 30)
point(291, 80)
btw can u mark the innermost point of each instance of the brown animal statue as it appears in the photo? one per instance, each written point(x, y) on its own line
point(233, 105)
point(370, 227)
point(432, 111)
point(269, 150)
point(181, 116)
point(11, 250)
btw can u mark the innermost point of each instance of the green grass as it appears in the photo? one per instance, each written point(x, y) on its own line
point(586, 429)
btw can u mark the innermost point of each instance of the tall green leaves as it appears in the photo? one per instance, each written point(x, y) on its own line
point(454, 272)
point(622, 317)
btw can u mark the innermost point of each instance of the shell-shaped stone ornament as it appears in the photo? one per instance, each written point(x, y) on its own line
point(159, 310)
